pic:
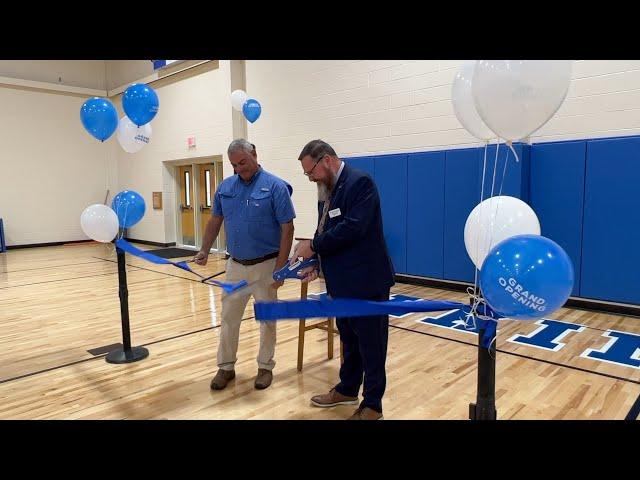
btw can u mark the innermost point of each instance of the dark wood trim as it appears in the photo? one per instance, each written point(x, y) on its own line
point(48, 244)
point(573, 302)
point(433, 282)
point(601, 306)
point(147, 242)
point(57, 244)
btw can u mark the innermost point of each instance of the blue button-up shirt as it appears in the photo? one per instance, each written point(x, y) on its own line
point(253, 212)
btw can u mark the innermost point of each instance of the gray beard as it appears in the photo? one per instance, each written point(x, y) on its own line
point(324, 191)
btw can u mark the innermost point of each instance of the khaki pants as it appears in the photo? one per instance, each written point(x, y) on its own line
point(260, 279)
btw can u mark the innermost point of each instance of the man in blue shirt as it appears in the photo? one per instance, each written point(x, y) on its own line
point(258, 218)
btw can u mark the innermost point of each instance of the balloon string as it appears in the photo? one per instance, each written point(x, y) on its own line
point(504, 170)
point(484, 169)
point(495, 166)
point(504, 174)
point(493, 185)
point(514, 152)
point(497, 201)
point(124, 220)
point(476, 297)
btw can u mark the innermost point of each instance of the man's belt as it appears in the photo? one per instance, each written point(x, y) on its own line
point(255, 261)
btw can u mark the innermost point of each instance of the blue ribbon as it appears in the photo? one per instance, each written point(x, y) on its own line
point(226, 286)
point(347, 307)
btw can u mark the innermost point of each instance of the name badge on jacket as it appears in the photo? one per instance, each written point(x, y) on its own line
point(334, 213)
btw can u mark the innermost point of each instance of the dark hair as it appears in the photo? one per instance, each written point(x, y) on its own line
point(316, 149)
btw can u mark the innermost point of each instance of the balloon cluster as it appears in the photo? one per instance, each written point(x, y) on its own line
point(509, 99)
point(140, 103)
point(102, 223)
point(250, 107)
point(523, 275)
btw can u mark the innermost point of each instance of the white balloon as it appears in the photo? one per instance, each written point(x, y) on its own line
point(99, 222)
point(238, 97)
point(516, 97)
point(131, 137)
point(506, 216)
point(464, 106)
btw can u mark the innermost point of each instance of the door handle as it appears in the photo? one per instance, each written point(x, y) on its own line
point(204, 207)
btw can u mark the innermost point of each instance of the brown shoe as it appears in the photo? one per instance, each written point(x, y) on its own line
point(263, 379)
point(222, 378)
point(366, 413)
point(332, 399)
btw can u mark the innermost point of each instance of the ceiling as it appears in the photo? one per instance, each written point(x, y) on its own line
point(94, 74)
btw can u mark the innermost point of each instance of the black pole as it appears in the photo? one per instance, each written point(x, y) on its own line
point(126, 354)
point(485, 406)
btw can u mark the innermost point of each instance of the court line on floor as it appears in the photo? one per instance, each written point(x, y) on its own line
point(164, 273)
point(563, 321)
point(49, 266)
point(635, 407)
point(45, 370)
point(59, 280)
point(634, 411)
point(475, 345)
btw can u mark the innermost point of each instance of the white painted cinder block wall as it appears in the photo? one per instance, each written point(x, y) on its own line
point(51, 169)
point(197, 105)
point(370, 107)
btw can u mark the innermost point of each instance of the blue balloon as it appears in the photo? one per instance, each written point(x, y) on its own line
point(99, 117)
point(140, 103)
point(129, 206)
point(526, 277)
point(251, 110)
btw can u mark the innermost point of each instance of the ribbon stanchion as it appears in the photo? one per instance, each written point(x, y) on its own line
point(126, 354)
point(484, 407)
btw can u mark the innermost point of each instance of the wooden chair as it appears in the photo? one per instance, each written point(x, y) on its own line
point(327, 325)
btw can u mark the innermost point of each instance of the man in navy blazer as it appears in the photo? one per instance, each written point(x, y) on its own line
point(350, 245)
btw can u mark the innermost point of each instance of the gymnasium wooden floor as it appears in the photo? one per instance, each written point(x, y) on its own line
point(56, 303)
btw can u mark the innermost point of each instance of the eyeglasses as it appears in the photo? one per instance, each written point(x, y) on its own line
point(314, 166)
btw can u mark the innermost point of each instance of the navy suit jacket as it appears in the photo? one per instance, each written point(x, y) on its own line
point(354, 257)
